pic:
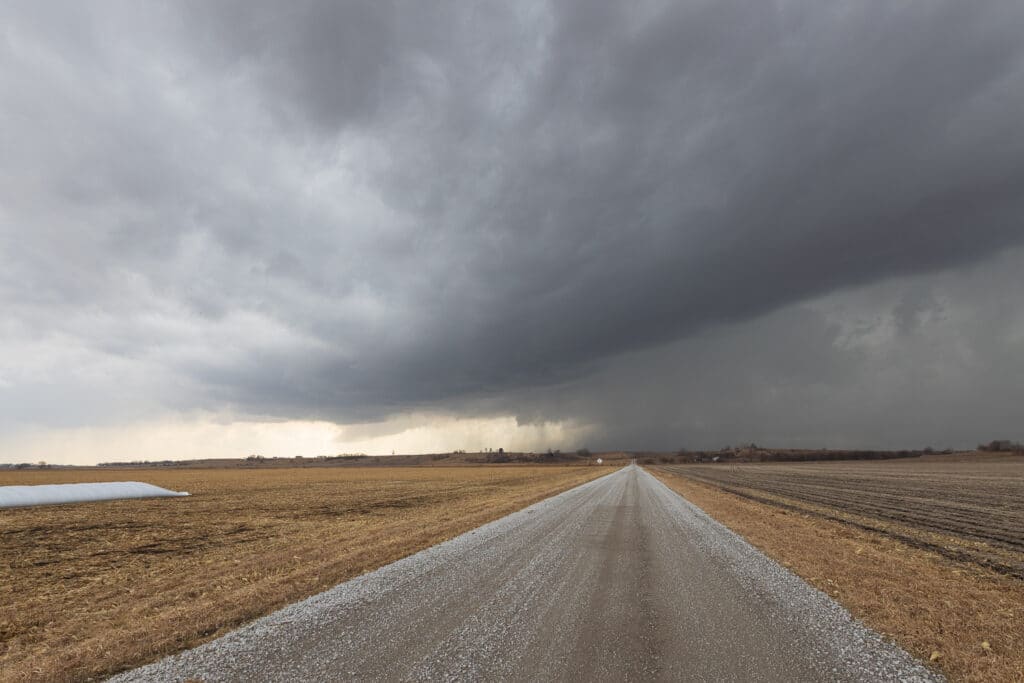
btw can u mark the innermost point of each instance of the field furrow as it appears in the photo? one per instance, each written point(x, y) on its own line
point(968, 509)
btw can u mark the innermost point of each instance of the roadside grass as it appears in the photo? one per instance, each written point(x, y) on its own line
point(88, 590)
point(965, 620)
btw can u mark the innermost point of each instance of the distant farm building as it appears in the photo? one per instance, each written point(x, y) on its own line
point(1000, 445)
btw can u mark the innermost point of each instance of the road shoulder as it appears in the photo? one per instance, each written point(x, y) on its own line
point(936, 609)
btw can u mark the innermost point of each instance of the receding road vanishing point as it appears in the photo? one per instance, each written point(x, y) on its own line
point(619, 579)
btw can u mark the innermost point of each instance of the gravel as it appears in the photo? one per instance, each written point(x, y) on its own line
point(618, 579)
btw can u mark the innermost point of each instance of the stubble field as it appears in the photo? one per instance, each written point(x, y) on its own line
point(90, 589)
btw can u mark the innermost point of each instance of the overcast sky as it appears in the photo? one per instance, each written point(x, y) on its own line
point(319, 227)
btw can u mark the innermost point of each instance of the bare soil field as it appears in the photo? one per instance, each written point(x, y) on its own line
point(901, 544)
point(968, 507)
point(87, 590)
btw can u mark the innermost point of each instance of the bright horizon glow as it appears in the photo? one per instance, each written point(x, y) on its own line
point(206, 437)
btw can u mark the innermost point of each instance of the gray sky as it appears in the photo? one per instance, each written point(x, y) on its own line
point(464, 224)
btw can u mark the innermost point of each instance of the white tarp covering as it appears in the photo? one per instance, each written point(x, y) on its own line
point(51, 494)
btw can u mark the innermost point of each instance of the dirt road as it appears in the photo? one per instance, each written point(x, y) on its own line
point(619, 579)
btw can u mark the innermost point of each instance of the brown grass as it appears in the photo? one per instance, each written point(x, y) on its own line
point(91, 589)
point(965, 619)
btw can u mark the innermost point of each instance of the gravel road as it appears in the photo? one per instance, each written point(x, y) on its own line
point(616, 580)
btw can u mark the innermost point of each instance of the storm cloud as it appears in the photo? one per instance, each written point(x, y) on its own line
point(351, 211)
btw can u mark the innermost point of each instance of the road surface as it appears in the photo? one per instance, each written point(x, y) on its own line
point(617, 580)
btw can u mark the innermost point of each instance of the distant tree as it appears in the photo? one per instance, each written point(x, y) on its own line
point(583, 452)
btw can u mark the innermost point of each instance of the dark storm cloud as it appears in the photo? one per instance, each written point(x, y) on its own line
point(343, 210)
point(925, 360)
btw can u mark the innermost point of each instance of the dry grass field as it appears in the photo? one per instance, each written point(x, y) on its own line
point(87, 590)
point(927, 551)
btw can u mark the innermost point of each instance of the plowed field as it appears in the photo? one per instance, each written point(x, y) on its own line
point(968, 509)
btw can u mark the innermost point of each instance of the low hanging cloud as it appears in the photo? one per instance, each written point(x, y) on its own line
point(911, 362)
point(347, 212)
